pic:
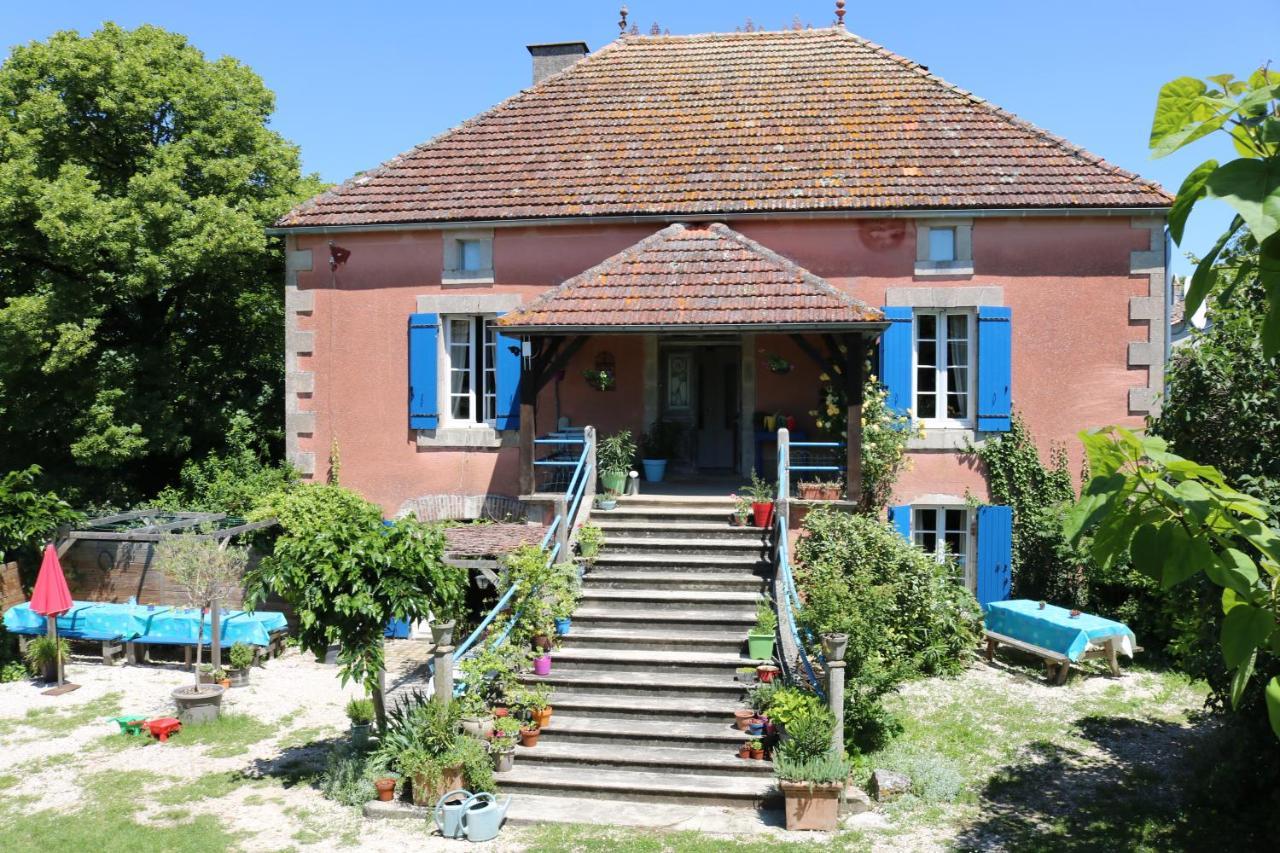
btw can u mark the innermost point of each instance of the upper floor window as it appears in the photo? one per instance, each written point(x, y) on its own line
point(944, 368)
point(470, 353)
point(468, 257)
point(944, 247)
point(942, 244)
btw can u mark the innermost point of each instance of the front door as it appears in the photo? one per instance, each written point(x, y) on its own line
point(717, 414)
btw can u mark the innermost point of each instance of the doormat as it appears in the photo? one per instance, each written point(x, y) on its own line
point(58, 691)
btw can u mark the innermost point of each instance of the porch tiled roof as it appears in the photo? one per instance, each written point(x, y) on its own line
point(693, 275)
point(489, 540)
point(732, 122)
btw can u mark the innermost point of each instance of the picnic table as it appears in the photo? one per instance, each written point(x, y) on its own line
point(1054, 634)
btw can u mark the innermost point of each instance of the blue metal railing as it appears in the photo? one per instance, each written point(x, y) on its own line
point(788, 599)
point(574, 492)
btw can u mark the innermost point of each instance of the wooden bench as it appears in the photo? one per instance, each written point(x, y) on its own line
point(1057, 665)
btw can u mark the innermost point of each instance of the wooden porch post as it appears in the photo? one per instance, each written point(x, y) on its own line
point(855, 358)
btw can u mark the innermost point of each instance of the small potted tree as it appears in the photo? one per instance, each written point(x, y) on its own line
point(659, 445)
point(477, 719)
point(761, 495)
point(614, 455)
point(589, 538)
point(360, 713)
point(240, 659)
point(207, 575)
point(812, 775)
point(760, 638)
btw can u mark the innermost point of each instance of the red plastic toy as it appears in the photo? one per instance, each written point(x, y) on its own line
point(163, 727)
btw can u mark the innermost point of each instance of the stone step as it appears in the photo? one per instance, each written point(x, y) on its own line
point(720, 736)
point(748, 790)
point(682, 545)
point(661, 513)
point(678, 526)
point(615, 683)
point(659, 759)
point(677, 500)
point(530, 809)
point(644, 638)
point(666, 618)
point(681, 562)
point(670, 599)
point(676, 708)
point(742, 580)
point(649, 660)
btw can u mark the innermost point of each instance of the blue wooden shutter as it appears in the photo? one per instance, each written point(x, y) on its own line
point(900, 517)
point(995, 554)
point(896, 357)
point(507, 370)
point(995, 368)
point(424, 334)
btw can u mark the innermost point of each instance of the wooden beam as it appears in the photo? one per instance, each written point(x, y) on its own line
point(555, 364)
point(135, 536)
point(855, 358)
point(816, 357)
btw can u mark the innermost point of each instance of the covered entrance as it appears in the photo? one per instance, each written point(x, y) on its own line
point(673, 332)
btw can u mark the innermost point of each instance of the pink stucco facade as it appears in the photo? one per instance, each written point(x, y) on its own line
point(1070, 283)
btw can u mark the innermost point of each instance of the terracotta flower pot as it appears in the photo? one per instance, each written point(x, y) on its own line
point(500, 711)
point(744, 751)
point(542, 717)
point(829, 493)
point(425, 794)
point(541, 642)
point(529, 737)
point(742, 718)
point(757, 754)
point(814, 806)
point(809, 491)
point(386, 789)
point(226, 683)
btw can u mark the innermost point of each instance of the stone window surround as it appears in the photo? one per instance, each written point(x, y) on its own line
point(452, 272)
point(945, 438)
point(963, 263)
point(299, 384)
point(476, 436)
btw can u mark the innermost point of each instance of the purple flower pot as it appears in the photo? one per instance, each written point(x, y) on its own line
point(542, 665)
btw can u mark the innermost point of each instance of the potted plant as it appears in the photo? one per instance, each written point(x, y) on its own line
point(502, 747)
point(614, 454)
point(757, 749)
point(746, 675)
point(812, 776)
point(221, 678)
point(741, 511)
point(830, 490)
point(529, 735)
point(767, 672)
point(42, 656)
point(386, 787)
point(241, 658)
point(360, 713)
point(599, 379)
point(744, 749)
point(834, 645)
point(542, 664)
point(477, 720)
point(660, 444)
point(760, 638)
point(810, 490)
point(589, 539)
point(777, 364)
point(442, 632)
point(207, 573)
point(742, 718)
point(761, 495)
point(606, 502)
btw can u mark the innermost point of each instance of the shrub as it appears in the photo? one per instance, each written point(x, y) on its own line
point(934, 777)
point(28, 516)
point(240, 656)
point(903, 614)
point(45, 651)
point(615, 453)
point(821, 769)
point(347, 777)
point(12, 671)
point(360, 711)
point(884, 437)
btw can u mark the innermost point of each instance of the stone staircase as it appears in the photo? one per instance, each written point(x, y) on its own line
point(644, 685)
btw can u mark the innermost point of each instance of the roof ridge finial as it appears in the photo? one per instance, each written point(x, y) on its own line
point(839, 13)
point(622, 22)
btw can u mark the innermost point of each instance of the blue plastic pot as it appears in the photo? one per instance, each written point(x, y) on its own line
point(562, 625)
point(654, 469)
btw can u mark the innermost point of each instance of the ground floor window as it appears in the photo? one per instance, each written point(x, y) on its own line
point(470, 352)
point(944, 531)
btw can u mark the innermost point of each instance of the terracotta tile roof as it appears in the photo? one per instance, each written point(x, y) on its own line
point(696, 275)
point(733, 122)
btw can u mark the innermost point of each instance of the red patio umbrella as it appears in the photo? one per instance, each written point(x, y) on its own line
point(51, 597)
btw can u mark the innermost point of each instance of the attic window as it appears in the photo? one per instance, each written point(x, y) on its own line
point(468, 257)
point(944, 247)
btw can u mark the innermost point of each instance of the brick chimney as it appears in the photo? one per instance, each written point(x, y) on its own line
point(551, 59)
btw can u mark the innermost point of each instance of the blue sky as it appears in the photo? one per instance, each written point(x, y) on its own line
point(356, 83)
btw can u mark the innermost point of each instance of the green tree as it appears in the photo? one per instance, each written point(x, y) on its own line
point(140, 299)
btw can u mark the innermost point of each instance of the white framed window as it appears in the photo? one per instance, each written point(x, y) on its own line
point(943, 349)
point(944, 531)
point(469, 370)
point(942, 244)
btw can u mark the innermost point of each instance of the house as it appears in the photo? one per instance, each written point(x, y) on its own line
point(710, 223)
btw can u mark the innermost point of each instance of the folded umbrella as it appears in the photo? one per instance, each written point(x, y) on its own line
point(51, 596)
